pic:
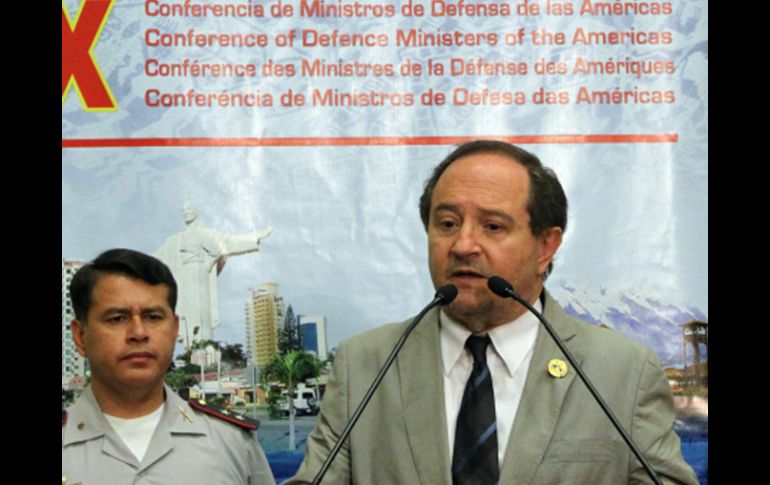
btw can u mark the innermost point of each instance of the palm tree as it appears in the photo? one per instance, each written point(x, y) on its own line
point(318, 366)
point(290, 369)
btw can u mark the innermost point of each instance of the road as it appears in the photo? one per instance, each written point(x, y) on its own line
point(273, 435)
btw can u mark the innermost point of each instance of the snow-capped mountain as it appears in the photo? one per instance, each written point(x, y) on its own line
point(646, 319)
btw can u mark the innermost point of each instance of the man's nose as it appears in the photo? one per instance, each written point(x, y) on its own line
point(137, 331)
point(466, 242)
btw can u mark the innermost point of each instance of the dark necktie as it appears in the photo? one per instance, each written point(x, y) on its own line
point(474, 460)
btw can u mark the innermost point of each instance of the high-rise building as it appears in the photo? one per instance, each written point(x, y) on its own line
point(264, 315)
point(72, 364)
point(312, 334)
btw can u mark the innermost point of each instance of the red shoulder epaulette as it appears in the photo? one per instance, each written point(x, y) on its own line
point(63, 417)
point(225, 414)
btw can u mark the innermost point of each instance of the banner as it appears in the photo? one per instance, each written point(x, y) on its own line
point(321, 120)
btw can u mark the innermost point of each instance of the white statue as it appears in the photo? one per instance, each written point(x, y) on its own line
point(196, 256)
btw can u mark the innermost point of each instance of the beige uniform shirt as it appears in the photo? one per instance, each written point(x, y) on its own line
point(187, 447)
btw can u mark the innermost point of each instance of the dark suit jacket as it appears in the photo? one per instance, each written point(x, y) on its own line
point(559, 436)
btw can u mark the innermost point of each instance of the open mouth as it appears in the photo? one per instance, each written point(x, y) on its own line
point(467, 274)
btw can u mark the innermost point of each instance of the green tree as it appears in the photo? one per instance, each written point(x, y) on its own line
point(273, 404)
point(185, 356)
point(233, 355)
point(190, 369)
point(288, 335)
point(290, 369)
point(179, 379)
point(318, 366)
point(202, 344)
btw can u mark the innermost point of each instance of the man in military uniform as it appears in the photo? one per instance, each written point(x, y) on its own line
point(128, 426)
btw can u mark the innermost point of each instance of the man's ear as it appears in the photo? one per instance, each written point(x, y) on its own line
point(78, 330)
point(549, 240)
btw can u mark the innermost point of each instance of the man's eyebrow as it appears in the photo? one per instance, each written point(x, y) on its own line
point(497, 213)
point(446, 206)
point(158, 308)
point(126, 311)
point(114, 311)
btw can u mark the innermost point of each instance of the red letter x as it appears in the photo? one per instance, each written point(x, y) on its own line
point(78, 65)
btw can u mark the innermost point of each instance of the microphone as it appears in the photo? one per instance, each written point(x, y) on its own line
point(502, 288)
point(444, 296)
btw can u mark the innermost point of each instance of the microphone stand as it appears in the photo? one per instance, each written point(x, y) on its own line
point(444, 295)
point(502, 288)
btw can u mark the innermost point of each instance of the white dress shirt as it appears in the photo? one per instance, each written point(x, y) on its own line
point(508, 360)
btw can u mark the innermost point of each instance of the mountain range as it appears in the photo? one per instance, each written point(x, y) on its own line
point(646, 319)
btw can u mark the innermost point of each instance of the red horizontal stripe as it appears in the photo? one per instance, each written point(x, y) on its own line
point(360, 141)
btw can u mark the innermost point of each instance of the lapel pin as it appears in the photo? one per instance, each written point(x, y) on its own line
point(185, 415)
point(557, 368)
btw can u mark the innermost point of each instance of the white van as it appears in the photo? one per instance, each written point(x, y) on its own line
point(305, 401)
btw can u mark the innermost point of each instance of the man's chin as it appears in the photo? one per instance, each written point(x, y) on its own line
point(140, 378)
point(463, 309)
point(478, 315)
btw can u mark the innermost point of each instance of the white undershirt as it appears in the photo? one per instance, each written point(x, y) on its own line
point(136, 433)
point(508, 360)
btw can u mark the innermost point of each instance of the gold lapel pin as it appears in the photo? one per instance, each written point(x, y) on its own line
point(81, 426)
point(557, 368)
point(185, 415)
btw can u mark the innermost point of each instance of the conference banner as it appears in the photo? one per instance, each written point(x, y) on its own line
point(315, 123)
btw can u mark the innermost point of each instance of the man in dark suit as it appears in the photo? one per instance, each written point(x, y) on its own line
point(480, 394)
